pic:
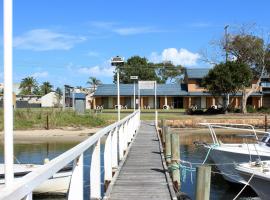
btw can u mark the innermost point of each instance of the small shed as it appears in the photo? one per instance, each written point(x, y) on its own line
point(50, 100)
point(79, 102)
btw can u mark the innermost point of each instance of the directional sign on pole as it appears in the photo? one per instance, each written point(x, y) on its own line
point(146, 85)
point(133, 77)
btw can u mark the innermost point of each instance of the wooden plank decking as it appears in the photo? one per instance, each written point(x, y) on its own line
point(142, 175)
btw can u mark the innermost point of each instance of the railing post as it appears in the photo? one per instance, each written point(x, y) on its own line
point(125, 136)
point(114, 148)
point(28, 197)
point(120, 141)
point(108, 161)
point(130, 130)
point(76, 183)
point(95, 183)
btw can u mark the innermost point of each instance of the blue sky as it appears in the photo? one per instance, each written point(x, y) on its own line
point(66, 41)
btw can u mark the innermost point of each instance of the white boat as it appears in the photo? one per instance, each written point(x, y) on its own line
point(226, 155)
point(56, 185)
point(257, 174)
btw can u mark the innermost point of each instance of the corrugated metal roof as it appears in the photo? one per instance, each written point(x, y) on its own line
point(127, 90)
point(79, 95)
point(196, 73)
point(208, 94)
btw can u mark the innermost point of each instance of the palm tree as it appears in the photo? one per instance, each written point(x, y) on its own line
point(46, 87)
point(94, 82)
point(27, 85)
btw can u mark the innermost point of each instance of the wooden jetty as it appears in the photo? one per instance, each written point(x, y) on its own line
point(143, 174)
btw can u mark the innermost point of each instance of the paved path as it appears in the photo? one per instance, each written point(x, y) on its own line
point(142, 175)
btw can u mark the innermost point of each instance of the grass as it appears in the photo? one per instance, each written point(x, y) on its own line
point(37, 119)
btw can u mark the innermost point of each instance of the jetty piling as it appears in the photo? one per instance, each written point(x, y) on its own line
point(163, 124)
point(203, 178)
point(168, 148)
point(265, 123)
point(175, 160)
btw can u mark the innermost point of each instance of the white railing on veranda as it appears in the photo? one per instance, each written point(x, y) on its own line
point(118, 136)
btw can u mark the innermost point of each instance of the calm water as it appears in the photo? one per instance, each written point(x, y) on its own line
point(220, 189)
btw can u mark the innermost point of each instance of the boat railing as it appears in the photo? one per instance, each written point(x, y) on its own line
point(239, 127)
point(118, 137)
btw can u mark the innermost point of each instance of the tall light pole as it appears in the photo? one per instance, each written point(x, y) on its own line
point(118, 61)
point(134, 78)
point(8, 95)
point(226, 41)
point(226, 49)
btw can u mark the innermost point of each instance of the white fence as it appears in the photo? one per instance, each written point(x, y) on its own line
point(118, 136)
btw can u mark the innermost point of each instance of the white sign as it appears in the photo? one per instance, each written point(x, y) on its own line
point(147, 85)
point(137, 101)
point(133, 77)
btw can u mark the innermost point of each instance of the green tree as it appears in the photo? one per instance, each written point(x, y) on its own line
point(253, 51)
point(94, 82)
point(28, 85)
point(59, 94)
point(46, 88)
point(227, 79)
point(145, 70)
point(59, 91)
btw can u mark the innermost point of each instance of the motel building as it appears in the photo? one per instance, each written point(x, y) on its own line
point(169, 96)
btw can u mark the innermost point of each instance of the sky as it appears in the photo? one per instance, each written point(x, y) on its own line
point(67, 41)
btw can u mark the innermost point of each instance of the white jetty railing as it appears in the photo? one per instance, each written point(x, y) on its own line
point(118, 137)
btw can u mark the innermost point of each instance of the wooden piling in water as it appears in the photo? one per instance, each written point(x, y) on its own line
point(265, 123)
point(47, 121)
point(203, 178)
point(163, 124)
point(175, 160)
point(168, 152)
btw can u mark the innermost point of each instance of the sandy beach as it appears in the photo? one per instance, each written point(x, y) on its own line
point(67, 134)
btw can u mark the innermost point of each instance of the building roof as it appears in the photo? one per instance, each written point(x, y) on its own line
point(238, 94)
point(127, 90)
point(79, 95)
point(196, 73)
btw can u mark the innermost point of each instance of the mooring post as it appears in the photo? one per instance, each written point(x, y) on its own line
point(168, 153)
point(163, 124)
point(265, 123)
point(175, 160)
point(203, 178)
point(47, 121)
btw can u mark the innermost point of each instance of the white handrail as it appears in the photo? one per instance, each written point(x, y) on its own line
point(24, 186)
point(211, 127)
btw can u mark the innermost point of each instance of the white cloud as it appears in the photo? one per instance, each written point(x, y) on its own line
point(92, 54)
point(45, 40)
point(40, 74)
point(97, 71)
point(123, 30)
point(134, 30)
point(201, 25)
point(177, 57)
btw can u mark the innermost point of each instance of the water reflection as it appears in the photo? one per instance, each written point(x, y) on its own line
point(220, 189)
point(35, 153)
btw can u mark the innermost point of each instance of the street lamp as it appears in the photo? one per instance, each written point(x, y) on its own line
point(134, 78)
point(226, 41)
point(118, 61)
point(226, 49)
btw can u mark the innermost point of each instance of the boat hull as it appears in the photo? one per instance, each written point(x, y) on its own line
point(225, 162)
point(261, 185)
point(58, 184)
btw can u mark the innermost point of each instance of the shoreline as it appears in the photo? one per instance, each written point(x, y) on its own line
point(68, 134)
